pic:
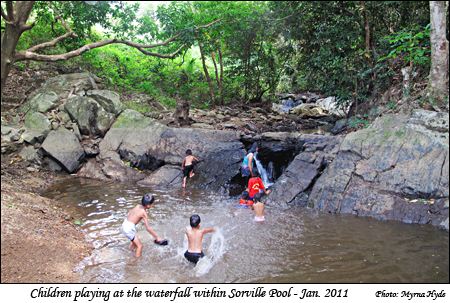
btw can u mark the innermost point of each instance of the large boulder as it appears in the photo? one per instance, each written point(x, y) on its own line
point(294, 185)
point(63, 146)
point(331, 105)
point(91, 117)
point(147, 145)
point(166, 176)
point(41, 102)
point(382, 171)
point(109, 100)
point(37, 126)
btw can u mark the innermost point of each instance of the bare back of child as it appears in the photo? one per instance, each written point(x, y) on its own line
point(188, 166)
point(195, 239)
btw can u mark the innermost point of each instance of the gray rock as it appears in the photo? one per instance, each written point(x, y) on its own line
point(333, 107)
point(91, 118)
point(147, 144)
point(41, 102)
point(37, 126)
point(378, 167)
point(109, 100)
point(28, 153)
point(52, 164)
point(339, 126)
point(166, 176)
point(63, 146)
point(6, 130)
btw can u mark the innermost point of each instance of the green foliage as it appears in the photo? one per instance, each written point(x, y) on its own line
point(412, 45)
point(266, 46)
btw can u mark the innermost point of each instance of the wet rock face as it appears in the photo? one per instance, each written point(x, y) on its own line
point(384, 170)
point(138, 141)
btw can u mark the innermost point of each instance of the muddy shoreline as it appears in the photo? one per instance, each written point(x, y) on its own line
point(39, 243)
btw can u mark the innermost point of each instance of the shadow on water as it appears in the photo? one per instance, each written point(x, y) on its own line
point(295, 245)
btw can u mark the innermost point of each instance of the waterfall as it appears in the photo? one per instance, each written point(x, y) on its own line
point(263, 174)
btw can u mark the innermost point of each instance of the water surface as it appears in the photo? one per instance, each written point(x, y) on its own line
point(294, 245)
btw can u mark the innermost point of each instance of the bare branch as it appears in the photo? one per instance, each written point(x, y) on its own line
point(52, 43)
point(28, 55)
point(208, 25)
point(166, 56)
point(139, 45)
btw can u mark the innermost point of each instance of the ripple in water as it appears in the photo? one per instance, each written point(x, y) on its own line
point(294, 245)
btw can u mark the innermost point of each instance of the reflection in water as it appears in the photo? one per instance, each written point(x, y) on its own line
point(295, 245)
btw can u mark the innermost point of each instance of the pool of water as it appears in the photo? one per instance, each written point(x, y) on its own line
point(295, 245)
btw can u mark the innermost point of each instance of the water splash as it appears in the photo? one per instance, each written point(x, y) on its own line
point(214, 253)
point(263, 174)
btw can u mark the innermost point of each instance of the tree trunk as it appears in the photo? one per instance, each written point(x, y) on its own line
point(221, 76)
point(9, 42)
point(15, 25)
point(205, 70)
point(438, 85)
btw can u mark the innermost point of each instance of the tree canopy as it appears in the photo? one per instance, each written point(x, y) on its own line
point(227, 51)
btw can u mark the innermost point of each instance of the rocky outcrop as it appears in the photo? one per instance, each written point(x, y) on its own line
point(91, 117)
point(314, 154)
point(136, 141)
point(395, 169)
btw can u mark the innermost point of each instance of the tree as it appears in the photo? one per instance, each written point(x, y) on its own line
point(438, 82)
point(16, 18)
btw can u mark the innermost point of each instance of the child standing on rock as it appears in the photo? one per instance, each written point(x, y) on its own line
point(188, 166)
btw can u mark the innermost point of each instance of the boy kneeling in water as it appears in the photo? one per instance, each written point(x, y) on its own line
point(195, 239)
point(135, 215)
point(255, 192)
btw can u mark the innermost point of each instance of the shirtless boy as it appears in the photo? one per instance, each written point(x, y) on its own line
point(195, 239)
point(135, 215)
point(188, 166)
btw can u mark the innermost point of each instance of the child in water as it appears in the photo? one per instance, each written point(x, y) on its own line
point(135, 215)
point(195, 239)
point(188, 166)
point(254, 193)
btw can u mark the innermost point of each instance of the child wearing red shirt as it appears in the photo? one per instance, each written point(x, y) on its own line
point(254, 193)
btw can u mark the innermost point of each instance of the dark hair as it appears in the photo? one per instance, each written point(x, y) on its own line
point(194, 220)
point(148, 199)
point(253, 147)
point(255, 173)
point(189, 152)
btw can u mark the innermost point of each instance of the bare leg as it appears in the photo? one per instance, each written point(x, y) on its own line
point(191, 174)
point(132, 246)
point(184, 182)
point(138, 245)
point(259, 209)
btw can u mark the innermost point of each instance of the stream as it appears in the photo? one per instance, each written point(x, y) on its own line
point(296, 245)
